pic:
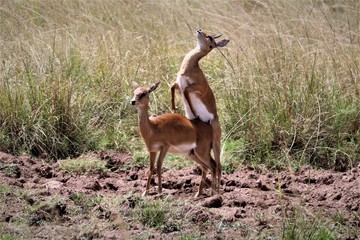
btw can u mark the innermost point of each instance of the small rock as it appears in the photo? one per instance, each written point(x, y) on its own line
point(213, 202)
point(53, 184)
point(199, 216)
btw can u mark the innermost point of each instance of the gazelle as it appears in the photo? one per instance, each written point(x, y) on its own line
point(172, 132)
point(198, 99)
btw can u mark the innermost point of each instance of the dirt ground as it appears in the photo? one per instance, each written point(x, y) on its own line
point(46, 202)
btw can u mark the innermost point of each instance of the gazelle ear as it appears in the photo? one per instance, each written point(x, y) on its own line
point(216, 36)
point(222, 43)
point(135, 84)
point(153, 87)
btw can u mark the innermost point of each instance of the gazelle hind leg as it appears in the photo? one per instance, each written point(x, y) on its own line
point(207, 162)
point(213, 176)
point(202, 182)
point(203, 167)
point(216, 145)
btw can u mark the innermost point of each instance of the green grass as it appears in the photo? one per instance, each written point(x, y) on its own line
point(4, 190)
point(301, 226)
point(287, 85)
point(233, 155)
point(83, 164)
point(150, 213)
point(174, 161)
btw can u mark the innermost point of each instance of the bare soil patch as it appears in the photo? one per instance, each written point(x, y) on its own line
point(45, 202)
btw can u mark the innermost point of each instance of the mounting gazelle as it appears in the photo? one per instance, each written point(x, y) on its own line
point(172, 132)
point(198, 99)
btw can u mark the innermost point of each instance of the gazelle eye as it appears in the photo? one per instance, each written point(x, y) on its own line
point(142, 95)
point(210, 38)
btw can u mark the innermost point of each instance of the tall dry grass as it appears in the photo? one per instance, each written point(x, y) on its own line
point(287, 86)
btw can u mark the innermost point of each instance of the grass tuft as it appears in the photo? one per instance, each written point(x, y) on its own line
point(151, 214)
point(84, 164)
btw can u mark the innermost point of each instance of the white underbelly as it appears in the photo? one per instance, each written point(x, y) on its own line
point(198, 106)
point(182, 148)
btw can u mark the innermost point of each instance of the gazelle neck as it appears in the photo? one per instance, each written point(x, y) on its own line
point(143, 119)
point(191, 60)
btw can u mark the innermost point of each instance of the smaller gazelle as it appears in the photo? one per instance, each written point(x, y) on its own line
point(172, 132)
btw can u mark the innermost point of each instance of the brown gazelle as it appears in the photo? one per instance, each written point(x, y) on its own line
point(197, 96)
point(172, 132)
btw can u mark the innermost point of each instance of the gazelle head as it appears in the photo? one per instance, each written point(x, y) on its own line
point(141, 94)
point(208, 43)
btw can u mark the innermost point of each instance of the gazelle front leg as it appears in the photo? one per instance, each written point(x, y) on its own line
point(152, 156)
point(193, 88)
point(160, 160)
